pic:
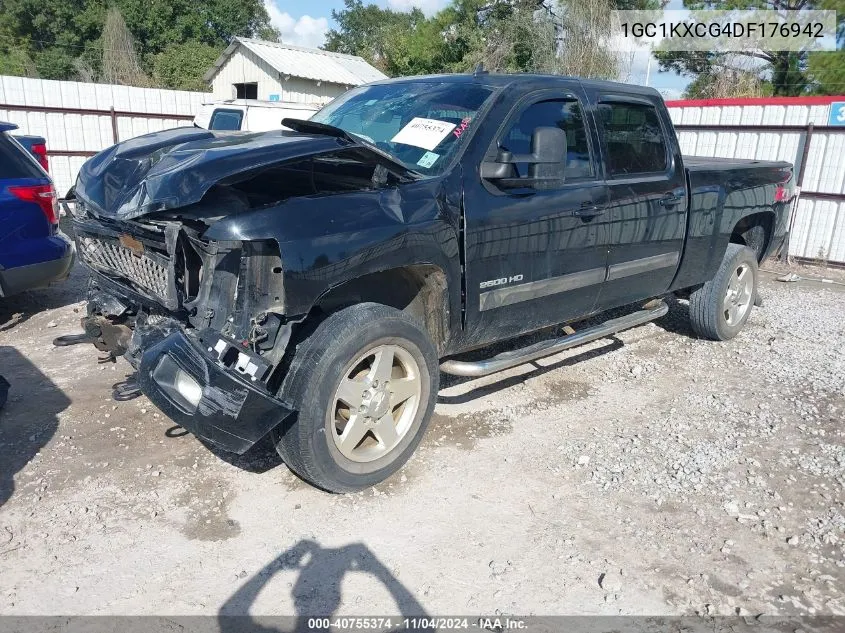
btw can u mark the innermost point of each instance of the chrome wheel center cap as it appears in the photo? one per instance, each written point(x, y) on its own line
point(379, 403)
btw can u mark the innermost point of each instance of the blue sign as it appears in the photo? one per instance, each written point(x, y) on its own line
point(837, 113)
point(276, 98)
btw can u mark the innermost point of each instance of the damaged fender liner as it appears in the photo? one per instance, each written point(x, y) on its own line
point(230, 414)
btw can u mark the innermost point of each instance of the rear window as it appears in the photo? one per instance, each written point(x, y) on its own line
point(633, 138)
point(226, 120)
point(15, 161)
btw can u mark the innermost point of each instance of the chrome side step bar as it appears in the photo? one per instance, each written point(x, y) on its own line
point(512, 358)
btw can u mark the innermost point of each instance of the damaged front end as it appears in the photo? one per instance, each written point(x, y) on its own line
point(201, 321)
point(204, 319)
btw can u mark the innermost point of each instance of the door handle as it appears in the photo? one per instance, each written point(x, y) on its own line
point(588, 211)
point(669, 200)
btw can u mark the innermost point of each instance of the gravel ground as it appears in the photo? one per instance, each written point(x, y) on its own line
point(651, 473)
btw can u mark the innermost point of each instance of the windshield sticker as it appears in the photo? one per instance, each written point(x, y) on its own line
point(463, 126)
point(424, 133)
point(428, 159)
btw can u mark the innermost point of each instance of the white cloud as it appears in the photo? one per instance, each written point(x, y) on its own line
point(429, 7)
point(303, 31)
point(642, 68)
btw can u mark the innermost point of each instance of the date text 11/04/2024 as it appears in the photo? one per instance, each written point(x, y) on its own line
point(484, 623)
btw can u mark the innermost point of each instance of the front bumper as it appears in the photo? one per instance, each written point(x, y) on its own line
point(206, 399)
point(15, 280)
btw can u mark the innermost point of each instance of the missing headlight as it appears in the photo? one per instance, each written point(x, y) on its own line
point(189, 269)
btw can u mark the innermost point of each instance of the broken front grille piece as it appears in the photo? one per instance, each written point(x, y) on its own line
point(235, 356)
point(149, 271)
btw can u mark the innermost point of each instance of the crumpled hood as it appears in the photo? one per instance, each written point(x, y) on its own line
point(174, 168)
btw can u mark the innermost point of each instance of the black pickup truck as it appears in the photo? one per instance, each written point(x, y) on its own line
point(313, 283)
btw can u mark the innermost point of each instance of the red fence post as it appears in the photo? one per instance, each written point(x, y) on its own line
point(115, 138)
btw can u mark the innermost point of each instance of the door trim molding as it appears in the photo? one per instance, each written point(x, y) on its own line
point(543, 288)
point(644, 265)
point(509, 295)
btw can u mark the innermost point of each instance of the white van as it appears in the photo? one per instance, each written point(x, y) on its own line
point(250, 114)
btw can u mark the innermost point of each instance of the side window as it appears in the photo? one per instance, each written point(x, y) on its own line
point(225, 120)
point(565, 114)
point(634, 141)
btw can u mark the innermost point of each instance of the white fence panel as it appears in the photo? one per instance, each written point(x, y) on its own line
point(26, 102)
point(819, 230)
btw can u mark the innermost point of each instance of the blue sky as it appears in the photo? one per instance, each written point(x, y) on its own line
point(305, 22)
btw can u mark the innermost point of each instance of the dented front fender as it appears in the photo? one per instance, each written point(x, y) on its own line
point(325, 241)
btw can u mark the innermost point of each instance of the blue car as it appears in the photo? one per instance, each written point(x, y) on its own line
point(33, 252)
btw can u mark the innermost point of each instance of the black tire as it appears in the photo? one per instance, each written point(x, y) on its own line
point(706, 304)
point(320, 362)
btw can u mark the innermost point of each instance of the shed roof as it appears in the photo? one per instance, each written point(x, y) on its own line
point(308, 63)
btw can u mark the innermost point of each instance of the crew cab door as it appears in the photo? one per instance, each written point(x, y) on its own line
point(535, 249)
point(647, 210)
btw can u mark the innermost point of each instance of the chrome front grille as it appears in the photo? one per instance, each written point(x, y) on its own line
point(148, 270)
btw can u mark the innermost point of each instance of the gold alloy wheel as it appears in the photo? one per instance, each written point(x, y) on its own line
point(375, 404)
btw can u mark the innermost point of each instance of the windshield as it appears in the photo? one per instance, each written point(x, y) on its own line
point(418, 123)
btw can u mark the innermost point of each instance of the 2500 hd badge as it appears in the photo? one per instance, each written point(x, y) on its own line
point(501, 281)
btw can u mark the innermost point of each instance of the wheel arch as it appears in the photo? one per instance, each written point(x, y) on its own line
point(754, 231)
point(420, 290)
point(703, 254)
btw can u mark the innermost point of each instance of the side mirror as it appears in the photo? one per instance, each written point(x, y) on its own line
point(546, 162)
point(548, 146)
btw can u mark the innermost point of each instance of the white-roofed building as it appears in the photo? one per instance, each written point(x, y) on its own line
point(257, 69)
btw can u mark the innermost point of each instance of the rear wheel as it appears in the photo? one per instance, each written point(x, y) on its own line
point(365, 383)
point(720, 308)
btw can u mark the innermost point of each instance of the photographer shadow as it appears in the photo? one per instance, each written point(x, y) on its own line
point(317, 590)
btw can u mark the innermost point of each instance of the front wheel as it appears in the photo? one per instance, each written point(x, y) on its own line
point(720, 308)
point(365, 384)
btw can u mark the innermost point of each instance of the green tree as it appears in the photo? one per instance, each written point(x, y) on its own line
point(507, 35)
point(826, 72)
point(788, 73)
point(62, 36)
point(51, 34)
point(183, 65)
point(381, 36)
point(16, 62)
